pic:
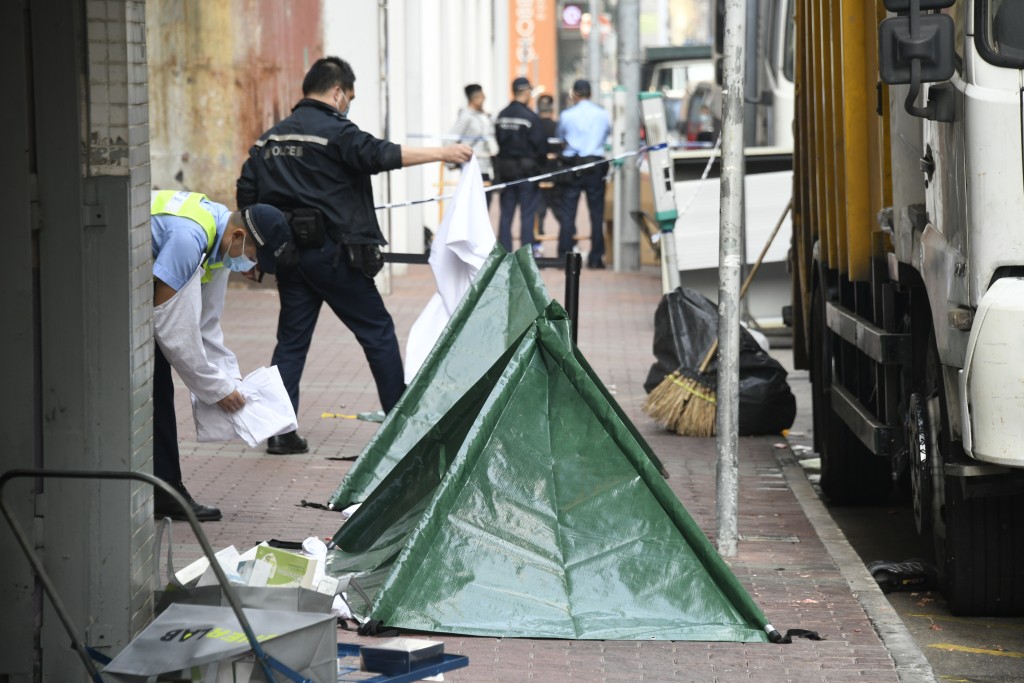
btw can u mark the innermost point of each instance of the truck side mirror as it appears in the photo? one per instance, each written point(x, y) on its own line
point(932, 48)
point(918, 49)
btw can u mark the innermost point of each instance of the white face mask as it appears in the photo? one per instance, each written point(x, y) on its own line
point(240, 263)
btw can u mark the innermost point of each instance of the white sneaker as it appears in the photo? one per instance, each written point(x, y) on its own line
point(538, 251)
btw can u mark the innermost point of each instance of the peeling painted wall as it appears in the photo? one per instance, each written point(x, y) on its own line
point(220, 73)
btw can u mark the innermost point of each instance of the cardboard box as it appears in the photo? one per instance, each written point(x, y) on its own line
point(288, 568)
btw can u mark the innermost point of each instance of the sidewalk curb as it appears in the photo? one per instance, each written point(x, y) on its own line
point(911, 664)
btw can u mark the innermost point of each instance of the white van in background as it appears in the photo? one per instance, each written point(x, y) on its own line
point(688, 77)
point(676, 72)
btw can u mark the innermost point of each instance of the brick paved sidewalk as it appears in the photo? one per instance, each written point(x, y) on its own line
point(781, 561)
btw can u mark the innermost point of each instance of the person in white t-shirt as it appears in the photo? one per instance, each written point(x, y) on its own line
point(474, 128)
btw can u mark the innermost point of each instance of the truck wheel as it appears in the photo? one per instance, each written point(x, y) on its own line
point(982, 571)
point(977, 540)
point(850, 473)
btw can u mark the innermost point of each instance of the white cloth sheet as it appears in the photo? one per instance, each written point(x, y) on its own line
point(267, 412)
point(460, 247)
point(214, 293)
point(178, 325)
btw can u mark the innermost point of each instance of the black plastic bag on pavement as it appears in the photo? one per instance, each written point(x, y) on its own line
point(685, 327)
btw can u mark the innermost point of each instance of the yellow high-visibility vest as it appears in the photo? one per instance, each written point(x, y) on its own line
point(186, 205)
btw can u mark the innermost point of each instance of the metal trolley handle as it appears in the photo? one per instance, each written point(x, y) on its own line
point(265, 661)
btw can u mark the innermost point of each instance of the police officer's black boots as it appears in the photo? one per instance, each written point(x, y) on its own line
point(289, 443)
point(165, 506)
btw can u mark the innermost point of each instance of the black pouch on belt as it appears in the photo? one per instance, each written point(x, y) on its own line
point(365, 257)
point(307, 228)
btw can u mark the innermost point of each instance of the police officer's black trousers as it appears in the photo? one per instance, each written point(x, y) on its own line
point(590, 181)
point(166, 458)
point(324, 276)
point(527, 196)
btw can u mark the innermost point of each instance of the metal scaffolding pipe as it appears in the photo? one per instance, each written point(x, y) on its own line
point(594, 50)
point(729, 266)
point(628, 257)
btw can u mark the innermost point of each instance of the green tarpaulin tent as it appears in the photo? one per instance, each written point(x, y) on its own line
point(531, 508)
point(504, 300)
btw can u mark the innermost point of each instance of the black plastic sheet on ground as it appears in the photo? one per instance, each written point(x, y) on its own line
point(685, 327)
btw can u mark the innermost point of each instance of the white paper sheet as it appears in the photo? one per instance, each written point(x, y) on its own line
point(267, 412)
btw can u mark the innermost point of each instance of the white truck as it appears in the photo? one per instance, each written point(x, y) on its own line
point(908, 262)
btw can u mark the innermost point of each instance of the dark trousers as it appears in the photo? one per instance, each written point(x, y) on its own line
point(166, 458)
point(527, 196)
point(590, 181)
point(550, 200)
point(322, 278)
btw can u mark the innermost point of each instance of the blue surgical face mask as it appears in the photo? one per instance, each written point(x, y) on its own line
point(240, 263)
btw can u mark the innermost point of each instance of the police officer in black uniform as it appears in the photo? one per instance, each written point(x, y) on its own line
point(550, 191)
point(521, 151)
point(315, 166)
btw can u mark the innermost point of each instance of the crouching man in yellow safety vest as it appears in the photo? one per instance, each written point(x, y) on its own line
point(196, 243)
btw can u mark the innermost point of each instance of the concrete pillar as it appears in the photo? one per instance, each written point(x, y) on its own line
point(81, 309)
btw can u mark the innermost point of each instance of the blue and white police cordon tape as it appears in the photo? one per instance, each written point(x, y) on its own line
point(532, 179)
point(704, 176)
point(468, 139)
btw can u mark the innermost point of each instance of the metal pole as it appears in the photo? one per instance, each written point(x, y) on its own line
point(744, 265)
point(727, 414)
point(383, 59)
point(618, 219)
point(629, 77)
point(594, 50)
point(265, 661)
point(618, 147)
point(573, 268)
point(664, 30)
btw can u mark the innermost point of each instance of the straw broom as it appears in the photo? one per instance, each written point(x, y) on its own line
point(685, 402)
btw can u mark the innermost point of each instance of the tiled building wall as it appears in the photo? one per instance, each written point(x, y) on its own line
point(118, 145)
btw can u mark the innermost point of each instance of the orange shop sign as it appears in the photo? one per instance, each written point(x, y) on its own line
point(532, 43)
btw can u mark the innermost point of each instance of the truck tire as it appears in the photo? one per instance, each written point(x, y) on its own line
point(850, 473)
point(978, 546)
point(982, 572)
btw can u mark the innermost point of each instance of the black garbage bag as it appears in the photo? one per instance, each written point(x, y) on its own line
point(685, 327)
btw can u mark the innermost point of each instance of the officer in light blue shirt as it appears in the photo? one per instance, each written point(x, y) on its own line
point(584, 127)
point(196, 244)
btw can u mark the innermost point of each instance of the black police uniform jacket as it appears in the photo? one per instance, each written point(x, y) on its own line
point(317, 158)
point(521, 142)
